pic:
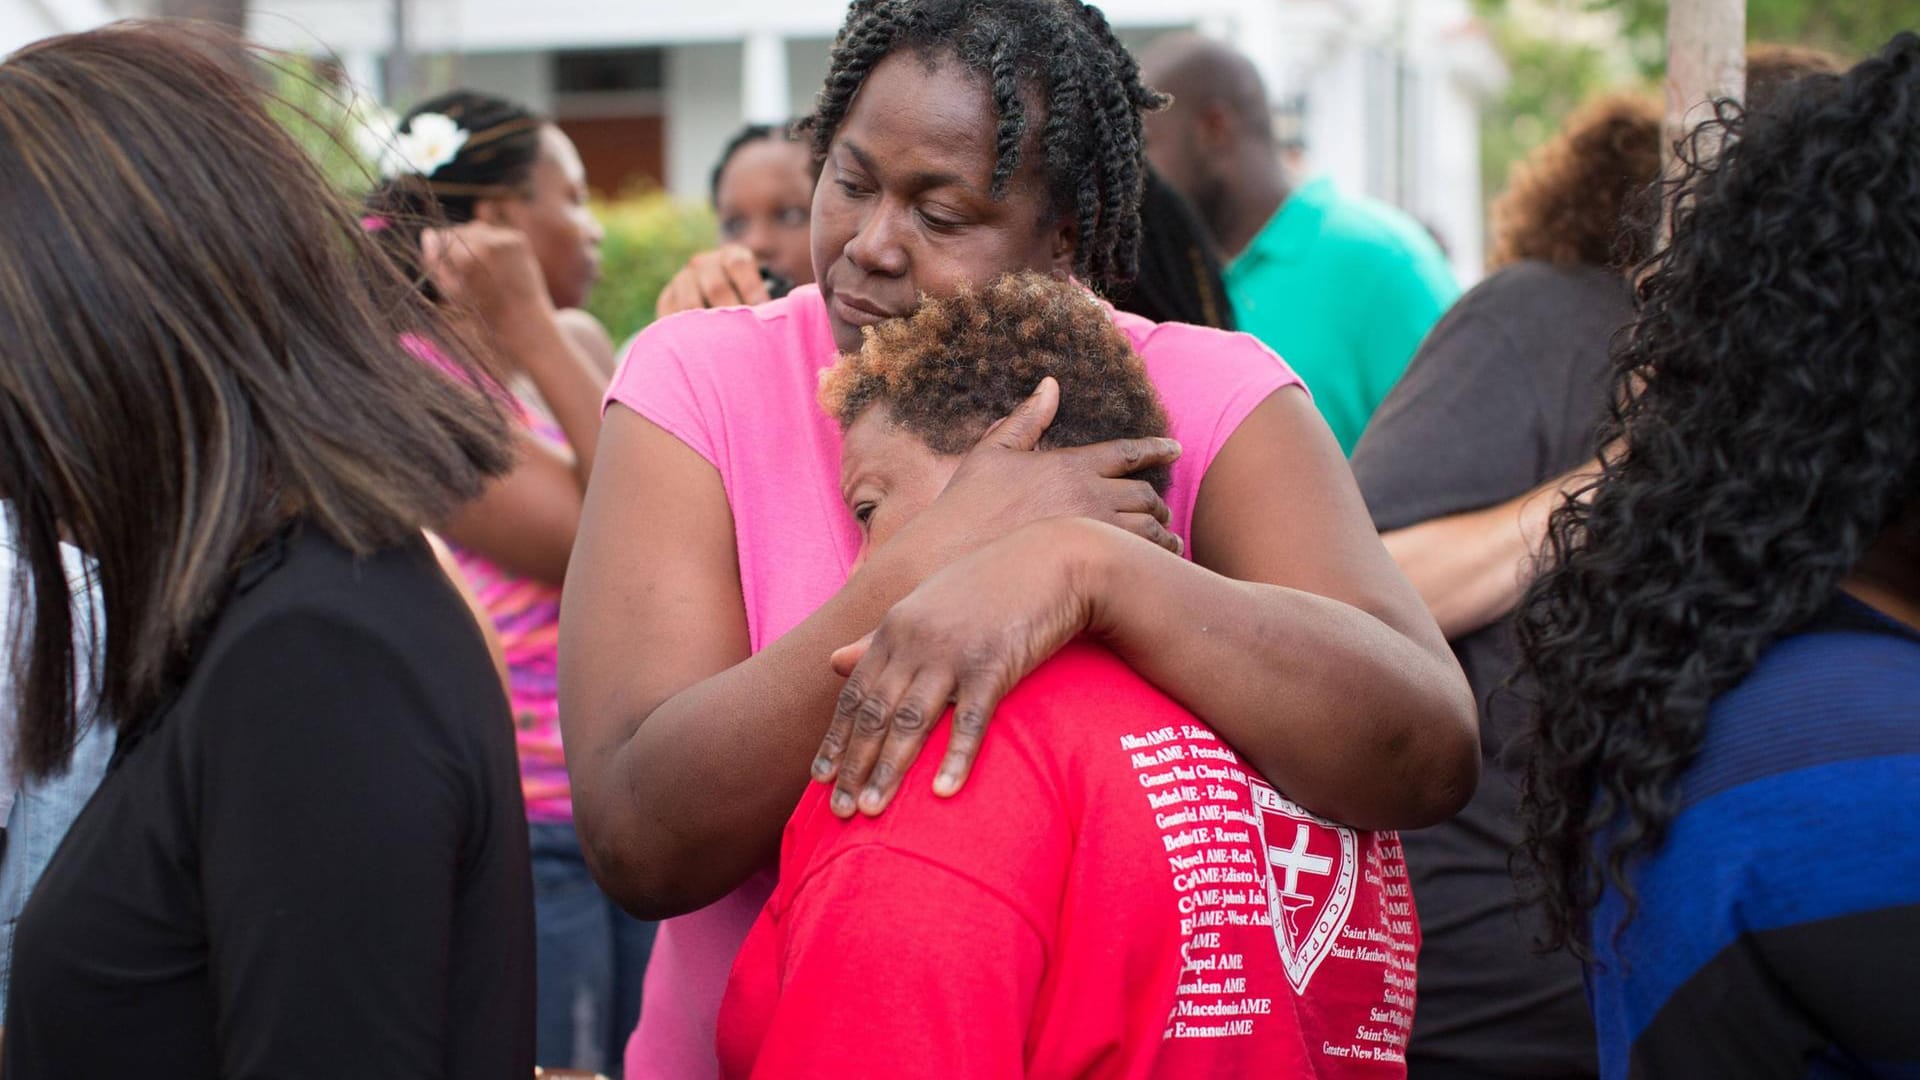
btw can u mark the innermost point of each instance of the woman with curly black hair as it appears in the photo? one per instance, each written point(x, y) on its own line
point(1462, 466)
point(1722, 797)
point(714, 574)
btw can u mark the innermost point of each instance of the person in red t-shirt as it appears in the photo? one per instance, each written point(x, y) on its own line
point(1114, 893)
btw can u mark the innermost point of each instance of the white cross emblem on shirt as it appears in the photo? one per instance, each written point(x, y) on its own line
point(1295, 861)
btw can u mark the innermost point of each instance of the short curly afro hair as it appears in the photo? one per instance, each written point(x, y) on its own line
point(1579, 200)
point(1586, 197)
point(956, 365)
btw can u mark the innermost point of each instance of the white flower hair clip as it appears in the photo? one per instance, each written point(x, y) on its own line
point(429, 143)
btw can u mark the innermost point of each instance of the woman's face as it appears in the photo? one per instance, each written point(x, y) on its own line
point(553, 214)
point(764, 201)
point(903, 205)
point(887, 476)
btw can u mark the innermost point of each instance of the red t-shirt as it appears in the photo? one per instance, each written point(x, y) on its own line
point(1113, 894)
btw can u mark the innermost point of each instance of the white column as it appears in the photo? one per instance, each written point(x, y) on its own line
point(704, 107)
point(763, 78)
point(362, 67)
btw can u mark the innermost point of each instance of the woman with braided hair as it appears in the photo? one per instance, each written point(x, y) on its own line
point(715, 570)
point(509, 241)
point(1722, 797)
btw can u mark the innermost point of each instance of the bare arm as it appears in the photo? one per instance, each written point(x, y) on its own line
point(1304, 647)
point(687, 754)
point(591, 341)
point(527, 520)
point(1292, 634)
point(1472, 567)
point(482, 618)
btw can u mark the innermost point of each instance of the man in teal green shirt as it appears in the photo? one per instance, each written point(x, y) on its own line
point(1343, 288)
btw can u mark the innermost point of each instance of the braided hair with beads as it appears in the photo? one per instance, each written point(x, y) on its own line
point(1062, 53)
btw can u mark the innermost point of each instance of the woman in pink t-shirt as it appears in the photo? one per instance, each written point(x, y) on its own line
point(1154, 911)
point(711, 581)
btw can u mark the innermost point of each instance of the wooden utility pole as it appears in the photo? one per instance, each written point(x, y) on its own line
point(1706, 60)
point(399, 65)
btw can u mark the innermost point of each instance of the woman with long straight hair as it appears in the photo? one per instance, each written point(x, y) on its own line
point(1722, 797)
point(308, 857)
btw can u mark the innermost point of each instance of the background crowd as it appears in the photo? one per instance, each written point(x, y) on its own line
point(390, 647)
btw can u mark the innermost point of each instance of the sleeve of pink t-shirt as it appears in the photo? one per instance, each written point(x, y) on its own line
point(896, 965)
point(656, 381)
point(1209, 381)
point(1213, 375)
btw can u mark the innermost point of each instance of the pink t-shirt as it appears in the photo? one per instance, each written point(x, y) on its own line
point(738, 385)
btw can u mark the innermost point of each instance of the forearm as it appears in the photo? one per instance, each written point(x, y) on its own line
point(693, 801)
point(1472, 568)
point(1469, 568)
point(1351, 717)
point(568, 383)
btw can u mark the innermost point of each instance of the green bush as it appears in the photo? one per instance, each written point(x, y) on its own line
point(650, 236)
point(319, 112)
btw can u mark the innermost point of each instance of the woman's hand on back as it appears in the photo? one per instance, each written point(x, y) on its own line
point(966, 636)
point(1005, 601)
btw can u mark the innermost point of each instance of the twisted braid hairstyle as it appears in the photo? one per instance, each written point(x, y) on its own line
point(1769, 395)
point(1060, 54)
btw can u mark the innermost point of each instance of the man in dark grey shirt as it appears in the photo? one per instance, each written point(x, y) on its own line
point(1459, 467)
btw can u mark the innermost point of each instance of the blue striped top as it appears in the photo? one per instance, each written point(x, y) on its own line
point(1779, 925)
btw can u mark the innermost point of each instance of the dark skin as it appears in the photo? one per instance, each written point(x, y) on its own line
point(518, 270)
point(1887, 577)
point(1214, 143)
point(686, 767)
point(764, 201)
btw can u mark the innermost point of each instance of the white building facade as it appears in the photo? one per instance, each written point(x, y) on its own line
point(22, 21)
point(1383, 95)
